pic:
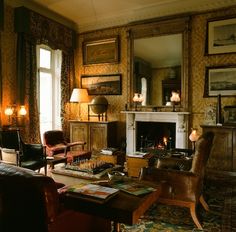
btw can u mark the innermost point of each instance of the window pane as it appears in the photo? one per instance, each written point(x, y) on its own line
point(45, 101)
point(45, 58)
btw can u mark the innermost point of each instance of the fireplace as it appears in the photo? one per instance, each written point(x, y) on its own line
point(172, 125)
point(151, 135)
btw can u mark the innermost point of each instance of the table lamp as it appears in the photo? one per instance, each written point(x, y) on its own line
point(79, 95)
point(175, 98)
point(193, 138)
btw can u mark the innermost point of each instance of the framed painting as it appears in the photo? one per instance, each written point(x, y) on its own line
point(101, 51)
point(220, 80)
point(222, 36)
point(108, 84)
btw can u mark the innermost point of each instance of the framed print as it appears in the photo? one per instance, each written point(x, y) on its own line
point(220, 80)
point(101, 51)
point(108, 84)
point(222, 36)
point(230, 115)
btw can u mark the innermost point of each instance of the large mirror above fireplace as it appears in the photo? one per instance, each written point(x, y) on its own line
point(159, 61)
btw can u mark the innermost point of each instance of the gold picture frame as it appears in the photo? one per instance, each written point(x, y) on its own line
point(101, 51)
point(221, 36)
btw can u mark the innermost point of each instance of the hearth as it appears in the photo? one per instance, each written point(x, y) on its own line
point(178, 133)
point(155, 135)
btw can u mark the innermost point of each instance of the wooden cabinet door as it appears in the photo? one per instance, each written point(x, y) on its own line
point(79, 132)
point(221, 155)
point(97, 136)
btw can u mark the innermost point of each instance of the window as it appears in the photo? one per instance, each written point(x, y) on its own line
point(49, 91)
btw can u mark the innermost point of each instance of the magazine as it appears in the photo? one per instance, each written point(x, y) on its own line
point(93, 192)
point(135, 188)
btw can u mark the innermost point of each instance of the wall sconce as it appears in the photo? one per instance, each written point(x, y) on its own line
point(79, 96)
point(15, 117)
point(175, 99)
point(138, 98)
point(193, 138)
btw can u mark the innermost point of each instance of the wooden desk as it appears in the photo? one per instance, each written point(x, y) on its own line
point(123, 208)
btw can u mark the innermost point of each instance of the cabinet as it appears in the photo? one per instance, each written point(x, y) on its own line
point(97, 135)
point(222, 159)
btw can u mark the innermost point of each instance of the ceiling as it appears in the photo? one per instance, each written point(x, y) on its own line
point(86, 15)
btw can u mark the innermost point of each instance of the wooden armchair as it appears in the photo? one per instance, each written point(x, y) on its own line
point(56, 145)
point(184, 188)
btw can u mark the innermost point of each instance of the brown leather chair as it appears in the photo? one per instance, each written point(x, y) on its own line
point(29, 201)
point(183, 188)
point(56, 145)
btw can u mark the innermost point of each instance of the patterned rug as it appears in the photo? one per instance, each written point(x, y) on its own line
point(165, 218)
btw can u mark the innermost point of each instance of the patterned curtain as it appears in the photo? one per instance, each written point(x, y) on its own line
point(34, 29)
point(67, 83)
point(27, 81)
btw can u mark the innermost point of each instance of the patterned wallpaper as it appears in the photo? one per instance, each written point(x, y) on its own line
point(198, 61)
point(8, 45)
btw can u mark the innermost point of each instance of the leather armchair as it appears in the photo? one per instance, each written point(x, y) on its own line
point(31, 156)
point(56, 144)
point(29, 201)
point(184, 188)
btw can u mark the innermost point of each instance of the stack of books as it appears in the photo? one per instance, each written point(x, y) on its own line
point(138, 154)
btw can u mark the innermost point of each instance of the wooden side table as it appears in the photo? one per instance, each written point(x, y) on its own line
point(117, 158)
point(134, 164)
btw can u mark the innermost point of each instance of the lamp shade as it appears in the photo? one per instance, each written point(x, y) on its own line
point(193, 136)
point(79, 95)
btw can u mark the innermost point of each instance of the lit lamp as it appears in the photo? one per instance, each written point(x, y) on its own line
point(175, 98)
point(138, 98)
point(17, 117)
point(80, 96)
point(193, 138)
point(9, 112)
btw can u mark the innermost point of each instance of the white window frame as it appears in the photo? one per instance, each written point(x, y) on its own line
point(55, 71)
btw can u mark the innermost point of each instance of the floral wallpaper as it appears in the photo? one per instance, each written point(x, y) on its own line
point(199, 60)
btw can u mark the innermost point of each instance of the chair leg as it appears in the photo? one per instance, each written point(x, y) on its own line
point(45, 169)
point(203, 203)
point(194, 216)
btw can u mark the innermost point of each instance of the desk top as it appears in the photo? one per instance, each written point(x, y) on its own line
point(124, 208)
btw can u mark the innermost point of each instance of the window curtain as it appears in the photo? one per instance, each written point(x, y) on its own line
point(33, 29)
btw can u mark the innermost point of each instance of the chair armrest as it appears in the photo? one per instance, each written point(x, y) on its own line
point(78, 143)
point(174, 163)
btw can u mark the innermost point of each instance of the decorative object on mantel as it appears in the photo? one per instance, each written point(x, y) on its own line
point(175, 99)
point(218, 111)
point(137, 99)
point(210, 115)
point(99, 106)
point(230, 115)
point(193, 138)
point(79, 96)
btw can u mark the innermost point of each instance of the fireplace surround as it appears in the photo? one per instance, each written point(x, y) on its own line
point(179, 118)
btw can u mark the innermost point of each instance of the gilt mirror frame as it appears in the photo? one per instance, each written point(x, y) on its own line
point(155, 28)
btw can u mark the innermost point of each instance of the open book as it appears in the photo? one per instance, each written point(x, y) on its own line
point(93, 192)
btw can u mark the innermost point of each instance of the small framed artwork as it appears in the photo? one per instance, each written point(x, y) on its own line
point(107, 84)
point(221, 36)
point(101, 51)
point(230, 115)
point(220, 80)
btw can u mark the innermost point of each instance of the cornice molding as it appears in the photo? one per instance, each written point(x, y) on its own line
point(172, 7)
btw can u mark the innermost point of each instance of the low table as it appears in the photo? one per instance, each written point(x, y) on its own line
point(123, 208)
